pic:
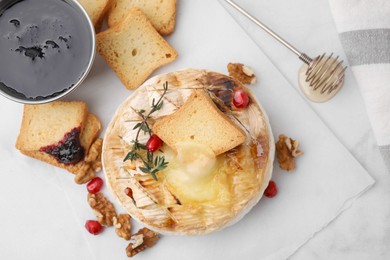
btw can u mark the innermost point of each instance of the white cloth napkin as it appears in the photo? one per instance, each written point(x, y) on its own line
point(364, 30)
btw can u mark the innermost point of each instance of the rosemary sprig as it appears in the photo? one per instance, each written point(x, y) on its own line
point(152, 164)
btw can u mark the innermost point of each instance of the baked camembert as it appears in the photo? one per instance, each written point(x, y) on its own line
point(219, 162)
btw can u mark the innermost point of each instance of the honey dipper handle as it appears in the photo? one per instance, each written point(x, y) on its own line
point(302, 56)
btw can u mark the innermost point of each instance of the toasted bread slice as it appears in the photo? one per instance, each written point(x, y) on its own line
point(134, 49)
point(44, 157)
point(200, 121)
point(91, 131)
point(89, 135)
point(162, 14)
point(46, 124)
point(96, 10)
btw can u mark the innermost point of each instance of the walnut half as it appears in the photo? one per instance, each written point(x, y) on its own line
point(103, 208)
point(141, 240)
point(91, 164)
point(84, 174)
point(122, 225)
point(286, 151)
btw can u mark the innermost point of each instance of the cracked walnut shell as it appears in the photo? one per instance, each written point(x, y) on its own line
point(286, 151)
point(103, 208)
point(141, 240)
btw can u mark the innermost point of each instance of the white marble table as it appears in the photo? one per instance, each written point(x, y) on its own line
point(363, 231)
point(43, 211)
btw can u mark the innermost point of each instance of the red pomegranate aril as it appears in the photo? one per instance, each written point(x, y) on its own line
point(240, 99)
point(129, 192)
point(271, 190)
point(154, 143)
point(95, 185)
point(93, 227)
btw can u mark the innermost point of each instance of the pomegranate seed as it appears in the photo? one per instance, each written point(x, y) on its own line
point(271, 190)
point(240, 99)
point(154, 143)
point(95, 185)
point(93, 227)
point(129, 192)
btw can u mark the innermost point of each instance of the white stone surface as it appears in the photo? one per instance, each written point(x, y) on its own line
point(43, 211)
point(362, 232)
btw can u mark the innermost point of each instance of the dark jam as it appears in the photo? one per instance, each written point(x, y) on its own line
point(45, 47)
point(68, 150)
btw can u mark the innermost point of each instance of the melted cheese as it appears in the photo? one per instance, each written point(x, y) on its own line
point(192, 172)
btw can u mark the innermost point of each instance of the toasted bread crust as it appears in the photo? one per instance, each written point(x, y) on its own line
point(91, 131)
point(134, 49)
point(45, 157)
point(47, 116)
point(84, 170)
point(199, 120)
point(161, 15)
point(97, 10)
point(60, 116)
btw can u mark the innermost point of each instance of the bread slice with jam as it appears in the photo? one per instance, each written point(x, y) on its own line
point(59, 133)
point(46, 124)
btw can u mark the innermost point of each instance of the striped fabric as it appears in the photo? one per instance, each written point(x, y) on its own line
point(364, 30)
